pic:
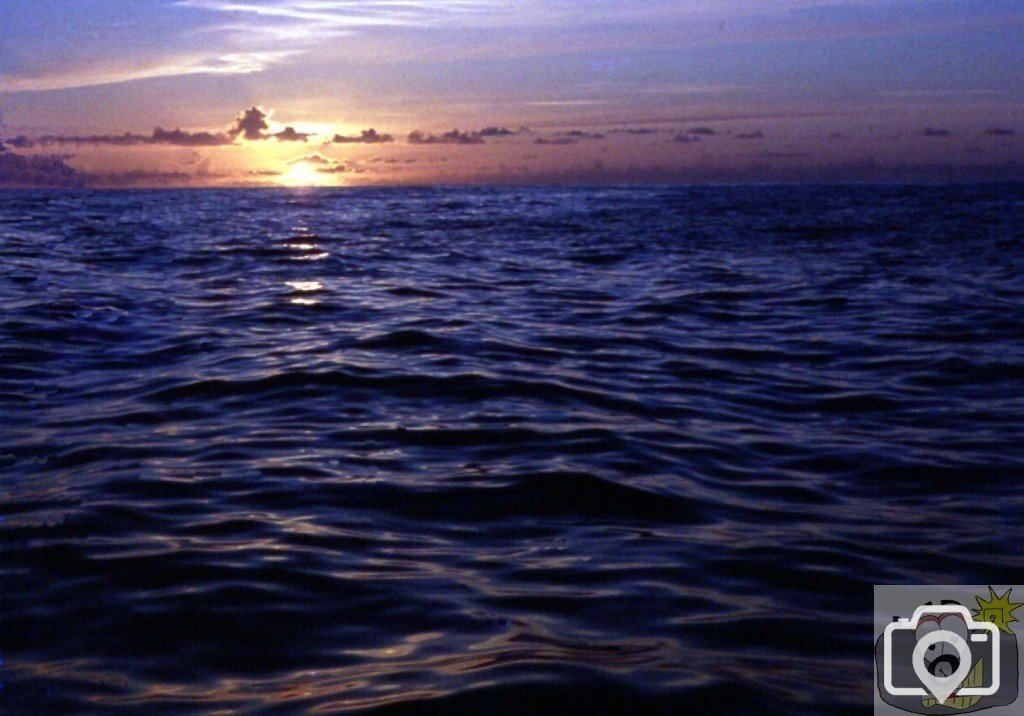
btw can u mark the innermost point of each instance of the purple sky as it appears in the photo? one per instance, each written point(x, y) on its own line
point(788, 89)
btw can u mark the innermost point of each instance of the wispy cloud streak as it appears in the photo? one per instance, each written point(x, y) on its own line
point(230, 63)
point(346, 14)
point(305, 24)
point(248, 36)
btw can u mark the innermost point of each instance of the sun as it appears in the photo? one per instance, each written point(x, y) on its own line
point(303, 175)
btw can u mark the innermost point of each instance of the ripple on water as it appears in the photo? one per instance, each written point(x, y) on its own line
point(466, 450)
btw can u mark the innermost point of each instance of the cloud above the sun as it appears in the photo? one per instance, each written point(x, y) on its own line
point(250, 125)
point(315, 158)
point(321, 163)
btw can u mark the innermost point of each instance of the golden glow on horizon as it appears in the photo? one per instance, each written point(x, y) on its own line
point(302, 175)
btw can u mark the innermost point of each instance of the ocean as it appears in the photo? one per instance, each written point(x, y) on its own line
point(496, 450)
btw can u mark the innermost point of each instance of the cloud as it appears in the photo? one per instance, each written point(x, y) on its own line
point(174, 137)
point(685, 139)
point(19, 142)
point(638, 131)
point(249, 36)
point(17, 170)
point(497, 131)
point(556, 140)
point(573, 136)
point(178, 138)
point(51, 171)
point(264, 173)
point(579, 134)
point(140, 178)
point(324, 164)
point(204, 171)
point(702, 131)
point(223, 63)
point(288, 134)
point(457, 137)
point(250, 124)
point(452, 137)
point(326, 19)
point(999, 132)
point(116, 140)
point(245, 36)
point(933, 132)
point(751, 135)
point(367, 136)
point(314, 158)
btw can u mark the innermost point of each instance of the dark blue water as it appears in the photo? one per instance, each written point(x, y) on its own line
point(496, 451)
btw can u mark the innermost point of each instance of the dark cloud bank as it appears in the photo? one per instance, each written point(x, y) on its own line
point(457, 137)
point(367, 136)
point(50, 171)
point(17, 170)
point(573, 136)
point(452, 137)
point(250, 125)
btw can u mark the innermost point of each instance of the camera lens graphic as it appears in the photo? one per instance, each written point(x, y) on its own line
point(941, 658)
point(943, 666)
point(941, 676)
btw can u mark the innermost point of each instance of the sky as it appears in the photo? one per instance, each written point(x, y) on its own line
point(569, 91)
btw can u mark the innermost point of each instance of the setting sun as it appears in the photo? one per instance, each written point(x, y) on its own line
point(304, 175)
